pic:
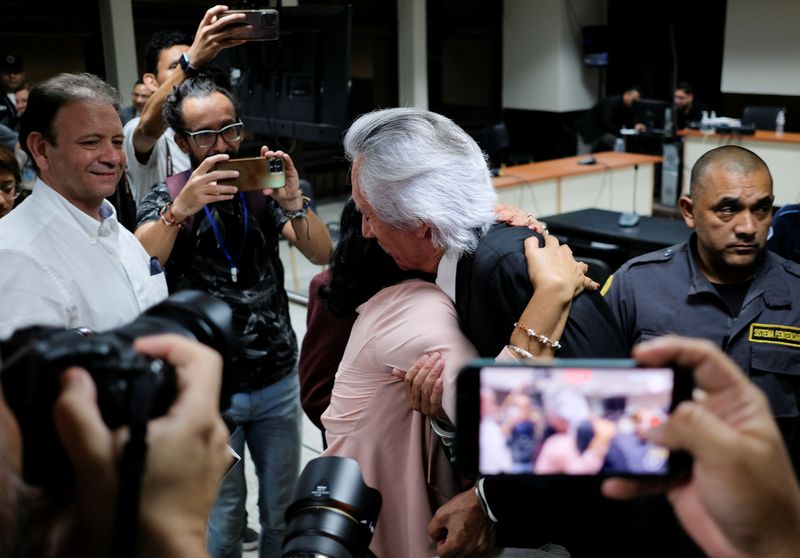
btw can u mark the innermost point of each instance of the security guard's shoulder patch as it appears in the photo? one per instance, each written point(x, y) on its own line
point(775, 334)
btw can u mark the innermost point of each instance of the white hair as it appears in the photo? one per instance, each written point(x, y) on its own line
point(418, 167)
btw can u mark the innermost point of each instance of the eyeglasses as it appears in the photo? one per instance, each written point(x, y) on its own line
point(10, 190)
point(206, 138)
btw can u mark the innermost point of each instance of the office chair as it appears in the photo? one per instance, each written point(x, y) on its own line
point(762, 116)
point(497, 144)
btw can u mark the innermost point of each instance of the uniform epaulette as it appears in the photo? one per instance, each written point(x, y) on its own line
point(663, 255)
point(792, 267)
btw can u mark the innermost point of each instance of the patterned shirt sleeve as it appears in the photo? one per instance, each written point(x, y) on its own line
point(151, 205)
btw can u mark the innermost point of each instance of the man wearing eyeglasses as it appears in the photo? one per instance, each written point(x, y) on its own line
point(211, 237)
point(170, 57)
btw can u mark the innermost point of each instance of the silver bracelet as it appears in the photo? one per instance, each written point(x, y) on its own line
point(520, 352)
point(448, 437)
point(482, 501)
point(544, 340)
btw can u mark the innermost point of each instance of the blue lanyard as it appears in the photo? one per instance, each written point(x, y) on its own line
point(221, 243)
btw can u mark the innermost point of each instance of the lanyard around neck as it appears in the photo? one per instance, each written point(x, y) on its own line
point(221, 243)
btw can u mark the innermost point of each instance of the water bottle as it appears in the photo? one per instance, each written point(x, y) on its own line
point(705, 125)
point(780, 122)
point(619, 144)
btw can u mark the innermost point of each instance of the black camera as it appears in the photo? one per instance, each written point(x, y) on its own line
point(333, 514)
point(34, 358)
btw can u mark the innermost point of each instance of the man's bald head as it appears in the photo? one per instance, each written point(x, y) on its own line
point(729, 158)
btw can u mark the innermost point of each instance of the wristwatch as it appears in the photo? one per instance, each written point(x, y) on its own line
point(188, 69)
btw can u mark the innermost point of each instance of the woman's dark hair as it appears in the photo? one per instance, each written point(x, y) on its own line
point(8, 162)
point(359, 267)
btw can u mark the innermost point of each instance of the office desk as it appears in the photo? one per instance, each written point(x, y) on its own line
point(595, 233)
point(781, 153)
point(561, 185)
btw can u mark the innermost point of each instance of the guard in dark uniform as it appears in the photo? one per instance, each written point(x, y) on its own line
point(722, 284)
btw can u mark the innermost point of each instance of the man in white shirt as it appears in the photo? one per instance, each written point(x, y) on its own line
point(66, 260)
point(170, 57)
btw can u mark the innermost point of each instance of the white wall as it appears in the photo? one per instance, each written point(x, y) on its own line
point(542, 59)
point(762, 47)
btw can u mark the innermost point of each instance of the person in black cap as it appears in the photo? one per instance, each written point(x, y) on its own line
point(12, 78)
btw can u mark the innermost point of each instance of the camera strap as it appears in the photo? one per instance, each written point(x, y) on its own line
point(131, 468)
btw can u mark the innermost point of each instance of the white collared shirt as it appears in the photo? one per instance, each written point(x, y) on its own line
point(60, 267)
point(446, 275)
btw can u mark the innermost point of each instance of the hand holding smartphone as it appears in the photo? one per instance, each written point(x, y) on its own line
point(567, 418)
point(255, 173)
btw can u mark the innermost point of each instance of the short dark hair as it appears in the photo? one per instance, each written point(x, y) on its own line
point(159, 41)
point(47, 97)
point(8, 162)
point(686, 87)
point(733, 159)
point(199, 86)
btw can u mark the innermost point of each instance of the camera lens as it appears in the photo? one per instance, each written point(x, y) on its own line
point(269, 20)
point(333, 514)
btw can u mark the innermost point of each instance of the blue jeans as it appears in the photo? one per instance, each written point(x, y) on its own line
point(269, 421)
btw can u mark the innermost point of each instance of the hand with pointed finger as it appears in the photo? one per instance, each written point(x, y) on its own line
point(425, 386)
point(289, 197)
point(742, 498)
point(206, 185)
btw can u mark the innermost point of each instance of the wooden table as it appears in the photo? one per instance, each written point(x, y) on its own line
point(780, 152)
point(617, 182)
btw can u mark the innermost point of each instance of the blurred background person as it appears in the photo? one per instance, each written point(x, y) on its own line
point(599, 128)
point(21, 97)
point(9, 181)
point(686, 110)
point(12, 78)
point(139, 97)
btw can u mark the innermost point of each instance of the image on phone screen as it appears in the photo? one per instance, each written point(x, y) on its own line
point(572, 421)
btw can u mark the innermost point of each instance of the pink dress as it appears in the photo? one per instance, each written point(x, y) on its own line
point(369, 418)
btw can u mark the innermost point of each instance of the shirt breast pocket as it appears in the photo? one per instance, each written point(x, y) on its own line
point(776, 370)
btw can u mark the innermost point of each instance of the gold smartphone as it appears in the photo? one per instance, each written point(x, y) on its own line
point(255, 173)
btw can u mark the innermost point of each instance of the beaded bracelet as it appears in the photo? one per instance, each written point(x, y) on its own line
point(544, 340)
point(168, 218)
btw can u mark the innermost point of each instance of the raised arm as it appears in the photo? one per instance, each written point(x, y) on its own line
point(211, 37)
point(556, 278)
point(307, 232)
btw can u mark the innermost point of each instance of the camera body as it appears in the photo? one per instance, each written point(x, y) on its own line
point(265, 24)
point(35, 358)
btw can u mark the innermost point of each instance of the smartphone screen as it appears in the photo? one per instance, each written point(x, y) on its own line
point(566, 419)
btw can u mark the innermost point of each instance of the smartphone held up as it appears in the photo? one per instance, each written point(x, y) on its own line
point(257, 25)
point(255, 173)
point(567, 418)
